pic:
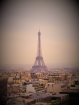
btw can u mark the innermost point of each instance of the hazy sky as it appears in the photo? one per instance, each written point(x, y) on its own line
point(58, 23)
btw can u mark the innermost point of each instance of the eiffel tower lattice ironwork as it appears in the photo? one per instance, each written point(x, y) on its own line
point(39, 65)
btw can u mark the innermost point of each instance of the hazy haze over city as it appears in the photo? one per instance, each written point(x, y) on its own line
point(58, 23)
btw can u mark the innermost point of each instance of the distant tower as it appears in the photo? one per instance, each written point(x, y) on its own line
point(39, 65)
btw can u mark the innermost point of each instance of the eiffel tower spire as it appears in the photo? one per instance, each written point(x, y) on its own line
point(39, 44)
point(39, 65)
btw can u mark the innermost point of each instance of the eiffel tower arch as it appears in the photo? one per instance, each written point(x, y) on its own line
point(39, 65)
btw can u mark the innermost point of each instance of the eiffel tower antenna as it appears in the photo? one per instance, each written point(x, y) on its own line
point(39, 65)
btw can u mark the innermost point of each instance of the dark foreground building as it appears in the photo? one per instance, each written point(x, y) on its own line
point(3, 91)
point(73, 97)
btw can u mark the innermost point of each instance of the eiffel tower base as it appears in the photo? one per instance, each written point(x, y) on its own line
point(40, 69)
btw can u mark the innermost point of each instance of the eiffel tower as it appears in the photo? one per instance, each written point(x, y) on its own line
point(39, 65)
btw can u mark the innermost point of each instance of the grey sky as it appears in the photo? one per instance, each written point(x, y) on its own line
point(58, 22)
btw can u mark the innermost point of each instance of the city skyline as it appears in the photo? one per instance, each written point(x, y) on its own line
point(20, 23)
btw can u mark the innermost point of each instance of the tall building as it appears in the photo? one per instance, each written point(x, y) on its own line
point(39, 65)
